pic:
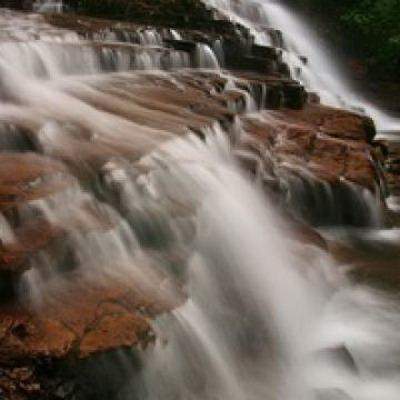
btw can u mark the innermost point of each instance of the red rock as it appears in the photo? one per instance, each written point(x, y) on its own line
point(331, 144)
point(117, 330)
point(79, 322)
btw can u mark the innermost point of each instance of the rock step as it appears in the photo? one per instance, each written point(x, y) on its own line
point(83, 321)
point(188, 46)
point(266, 52)
point(238, 46)
point(316, 156)
point(39, 177)
point(136, 97)
point(298, 151)
point(64, 58)
point(259, 64)
point(15, 257)
point(239, 50)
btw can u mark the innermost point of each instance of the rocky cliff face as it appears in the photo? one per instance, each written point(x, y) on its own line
point(301, 151)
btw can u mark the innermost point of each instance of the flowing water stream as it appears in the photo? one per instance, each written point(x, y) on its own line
point(318, 71)
point(266, 317)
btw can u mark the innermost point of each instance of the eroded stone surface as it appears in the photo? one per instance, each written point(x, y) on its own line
point(53, 191)
point(310, 138)
point(77, 322)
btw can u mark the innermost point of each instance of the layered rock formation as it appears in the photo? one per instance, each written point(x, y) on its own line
point(79, 123)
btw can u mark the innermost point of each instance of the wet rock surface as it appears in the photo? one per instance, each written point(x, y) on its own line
point(59, 179)
point(332, 144)
point(327, 149)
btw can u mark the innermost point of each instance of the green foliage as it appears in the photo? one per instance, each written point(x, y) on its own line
point(376, 24)
point(370, 28)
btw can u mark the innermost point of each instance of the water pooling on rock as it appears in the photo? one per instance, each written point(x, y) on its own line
point(152, 200)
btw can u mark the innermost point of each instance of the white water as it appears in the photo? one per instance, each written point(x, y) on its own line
point(205, 57)
point(249, 297)
point(51, 6)
point(321, 74)
point(266, 318)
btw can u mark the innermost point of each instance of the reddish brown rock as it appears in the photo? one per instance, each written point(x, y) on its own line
point(336, 122)
point(330, 143)
point(32, 177)
point(83, 318)
point(78, 322)
point(117, 330)
point(30, 238)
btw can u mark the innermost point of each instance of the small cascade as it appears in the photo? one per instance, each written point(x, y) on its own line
point(150, 37)
point(302, 52)
point(48, 6)
point(209, 353)
point(266, 317)
point(25, 64)
point(320, 73)
point(311, 194)
point(63, 52)
point(151, 200)
point(55, 59)
point(205, 57)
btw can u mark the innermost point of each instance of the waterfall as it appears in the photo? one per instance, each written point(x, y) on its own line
point(266, 318)
point(240, 277)
point(130, 150)
point(318, 71)
point(205, 57)
point(44, 6)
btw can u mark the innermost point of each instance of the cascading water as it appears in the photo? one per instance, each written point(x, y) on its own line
point(318, 72)
point(266, 316)
point(45, 6)
point(237, 336)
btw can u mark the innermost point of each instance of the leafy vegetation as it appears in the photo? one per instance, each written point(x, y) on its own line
point(369, 29)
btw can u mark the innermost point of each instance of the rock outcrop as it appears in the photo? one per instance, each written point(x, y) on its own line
point(327, 151)
point(58, 179)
